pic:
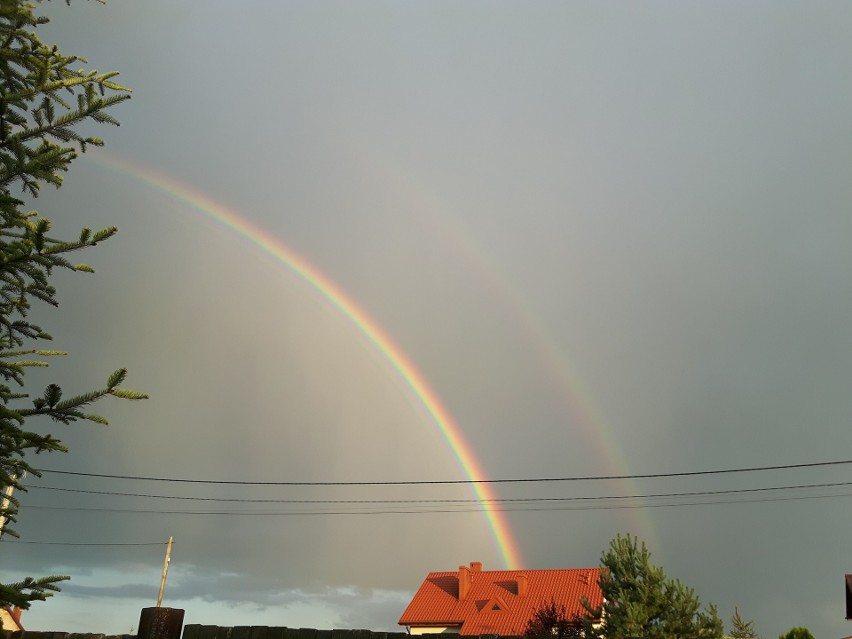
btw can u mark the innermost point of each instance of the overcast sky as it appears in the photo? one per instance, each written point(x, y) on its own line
point(612, 237)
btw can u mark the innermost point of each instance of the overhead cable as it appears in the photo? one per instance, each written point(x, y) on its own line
point(699, 493)
point(70, 543)
point(426, 510)
point(427, 482)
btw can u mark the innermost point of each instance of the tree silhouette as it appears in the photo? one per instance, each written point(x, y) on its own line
point(553, 620)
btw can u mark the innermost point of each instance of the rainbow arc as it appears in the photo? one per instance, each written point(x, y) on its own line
point(392, 354)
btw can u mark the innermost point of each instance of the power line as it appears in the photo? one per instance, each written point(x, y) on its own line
point(424, 511)
point(545, 504)
point(700, 493)
point(694, 473)
point(70, 543)
point(436, 511)
point(417, 512)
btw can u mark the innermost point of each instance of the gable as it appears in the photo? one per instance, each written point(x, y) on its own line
point(495, 604)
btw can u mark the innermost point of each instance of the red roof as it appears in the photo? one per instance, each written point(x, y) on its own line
point(498, 602)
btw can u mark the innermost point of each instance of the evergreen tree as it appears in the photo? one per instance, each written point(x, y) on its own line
point(553, 621)
point(740, 628)
point(43, 103)
point(640, 601)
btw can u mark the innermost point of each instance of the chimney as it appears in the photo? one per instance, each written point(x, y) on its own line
point(476, 566)
point(849, 596)
point(523, 585)
point(464, 582)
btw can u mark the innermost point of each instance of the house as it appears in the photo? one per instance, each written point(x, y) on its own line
point(10, 618)
point(473, 601)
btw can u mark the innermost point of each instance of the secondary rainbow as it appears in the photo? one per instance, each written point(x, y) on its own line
point(584, 415)
point(439, 416)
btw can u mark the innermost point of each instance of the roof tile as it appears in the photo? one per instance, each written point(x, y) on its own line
point(493, 605)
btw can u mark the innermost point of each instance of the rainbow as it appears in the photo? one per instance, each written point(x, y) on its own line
point(575, 395)
point(572, 390)
point(440, 417)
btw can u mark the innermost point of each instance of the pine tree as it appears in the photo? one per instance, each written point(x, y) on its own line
point(640, 601)
point(740, 628)
point(43, 102)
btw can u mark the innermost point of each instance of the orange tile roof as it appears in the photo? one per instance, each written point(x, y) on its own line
point(495, 602)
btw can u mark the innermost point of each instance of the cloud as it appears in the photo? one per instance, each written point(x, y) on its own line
point(210, 597)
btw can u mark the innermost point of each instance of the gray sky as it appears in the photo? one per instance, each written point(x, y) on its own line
point(610, 236)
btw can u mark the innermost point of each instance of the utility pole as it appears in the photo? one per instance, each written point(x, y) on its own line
point(165, 571)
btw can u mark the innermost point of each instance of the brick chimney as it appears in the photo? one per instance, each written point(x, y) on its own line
point(464, 582)
point(476, 566)
point(523, 585)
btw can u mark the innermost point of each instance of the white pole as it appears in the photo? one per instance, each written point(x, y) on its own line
point(165, 571)
point(7, 499)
